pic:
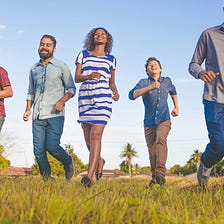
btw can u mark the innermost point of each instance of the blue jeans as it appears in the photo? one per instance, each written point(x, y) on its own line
point(46, 137)
point(214, 116)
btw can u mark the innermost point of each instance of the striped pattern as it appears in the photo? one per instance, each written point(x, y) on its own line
point(95, 98)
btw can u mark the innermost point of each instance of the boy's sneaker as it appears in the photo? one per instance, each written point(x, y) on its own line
point(160, 179)
point(69, 171)
point(152, 183)
point(203, 175)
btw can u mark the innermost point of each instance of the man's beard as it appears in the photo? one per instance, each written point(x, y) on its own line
point(45, 55)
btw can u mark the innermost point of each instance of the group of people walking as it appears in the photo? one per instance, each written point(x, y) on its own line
point(51, 85)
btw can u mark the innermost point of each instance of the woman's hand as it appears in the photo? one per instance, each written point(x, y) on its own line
point(115, 96)
point(94, 76)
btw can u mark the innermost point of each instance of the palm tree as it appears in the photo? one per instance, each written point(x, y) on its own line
point(128, 153)
point(195, 158)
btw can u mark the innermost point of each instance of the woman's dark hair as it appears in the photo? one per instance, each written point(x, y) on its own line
point(89, 40)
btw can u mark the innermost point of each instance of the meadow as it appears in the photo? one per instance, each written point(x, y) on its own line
point(25, 200)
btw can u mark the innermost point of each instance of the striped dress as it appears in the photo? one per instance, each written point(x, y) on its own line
point(95, 97)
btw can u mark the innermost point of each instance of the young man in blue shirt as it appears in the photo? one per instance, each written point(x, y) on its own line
point(154, 91)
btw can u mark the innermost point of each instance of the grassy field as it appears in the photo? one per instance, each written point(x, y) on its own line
point(110, 201)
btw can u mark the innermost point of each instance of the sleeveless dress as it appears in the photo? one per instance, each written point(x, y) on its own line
point(95, 96)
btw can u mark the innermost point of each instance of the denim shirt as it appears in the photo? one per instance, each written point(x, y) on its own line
point(210, 47)
point(47, 84)
point(155, 101)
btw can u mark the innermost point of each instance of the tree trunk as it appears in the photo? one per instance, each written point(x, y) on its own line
point(129, 169)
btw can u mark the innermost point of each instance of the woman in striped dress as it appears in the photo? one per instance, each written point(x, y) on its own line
point(95, 70)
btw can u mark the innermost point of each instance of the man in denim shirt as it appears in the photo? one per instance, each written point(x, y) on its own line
point(210, 48)
point(154, 91)
point(50, 86)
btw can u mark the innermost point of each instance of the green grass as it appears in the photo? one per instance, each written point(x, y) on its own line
point(110, 201)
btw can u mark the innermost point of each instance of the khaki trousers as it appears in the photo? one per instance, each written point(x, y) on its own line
point(156, 140)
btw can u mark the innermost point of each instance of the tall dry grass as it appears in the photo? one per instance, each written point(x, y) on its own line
point(110, 201)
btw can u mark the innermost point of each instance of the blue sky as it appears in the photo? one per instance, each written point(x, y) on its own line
point(167, 30)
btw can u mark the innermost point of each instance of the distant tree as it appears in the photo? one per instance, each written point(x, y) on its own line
point(218, 169)
point(189, 169)
point(1, 149)
point(176, 169)
point(79, 166)
point(145, 169)
point(195, 158)
point(183, 170)
point(3, 161)
point(69, 148)
point(124, 166)
point(35, 168)
point(128, 153)
point(57, 168)
point(191, 165)
point(136, 168)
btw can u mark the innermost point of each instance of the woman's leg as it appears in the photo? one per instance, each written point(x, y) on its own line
point(93, 136)
point(86, 131)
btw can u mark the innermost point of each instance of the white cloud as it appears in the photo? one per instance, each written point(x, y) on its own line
point(2, 27)
point(20, 32)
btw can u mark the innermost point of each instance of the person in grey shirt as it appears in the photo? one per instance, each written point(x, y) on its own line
point(50, 86)
point(210, 48)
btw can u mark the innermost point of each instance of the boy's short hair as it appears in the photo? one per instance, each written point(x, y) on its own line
point(152, 59)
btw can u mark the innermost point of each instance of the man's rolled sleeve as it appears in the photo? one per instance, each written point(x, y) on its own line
point(142, 83)
point(30, 94)
point(30, 97)
point(71, 90)
point(68, 81)
point(195, 69)
point(131, 94)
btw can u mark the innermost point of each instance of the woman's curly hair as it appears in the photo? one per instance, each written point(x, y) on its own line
point(89, 41)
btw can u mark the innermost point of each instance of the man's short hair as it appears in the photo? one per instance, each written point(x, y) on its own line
point(50, 37)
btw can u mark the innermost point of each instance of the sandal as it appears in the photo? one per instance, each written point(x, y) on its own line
point(99, 175)
point(86, 182)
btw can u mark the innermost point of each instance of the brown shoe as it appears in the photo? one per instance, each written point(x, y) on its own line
point(160, 179)
point(152, 183)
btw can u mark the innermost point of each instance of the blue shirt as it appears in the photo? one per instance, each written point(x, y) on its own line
point(47, 84)
point(210, 48)
point(155, 101)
